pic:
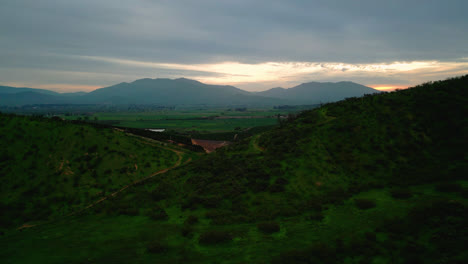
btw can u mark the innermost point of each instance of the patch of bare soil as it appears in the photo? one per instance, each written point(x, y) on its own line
point(210, 145)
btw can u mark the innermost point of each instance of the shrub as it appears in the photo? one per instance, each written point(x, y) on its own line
point(316, 216)
point(158, 194)
point(258, 186)
point(275, 188)
point(364, 204)
point(314, 204)
point(268, 227)
point(213, 237)
point(220, 217)
point(318, 253)
point(157, 247)
point(337, 196)
point(158, 214)
point(92, 149)
point(464, 193)
point(131, 211)
point(370, 236)
point(448, 187)
point(191, 220)
point(281, 181)
point(186, 231)
point(401, 193)
point(211, 201)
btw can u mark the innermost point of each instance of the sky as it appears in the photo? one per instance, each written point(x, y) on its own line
point(68, 45)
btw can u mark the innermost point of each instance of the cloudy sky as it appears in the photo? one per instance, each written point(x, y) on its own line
point(71, 45)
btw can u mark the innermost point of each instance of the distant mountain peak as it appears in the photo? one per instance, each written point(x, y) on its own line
point(317, 92)
point(186, 80)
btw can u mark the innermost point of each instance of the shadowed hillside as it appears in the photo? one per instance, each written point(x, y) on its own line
point(50, 168)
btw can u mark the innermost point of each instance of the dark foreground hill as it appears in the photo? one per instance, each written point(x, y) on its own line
point(376, 179)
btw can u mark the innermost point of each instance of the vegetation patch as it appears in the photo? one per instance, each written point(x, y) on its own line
point(364, 204)
point(401, 193)
point(268, 227)
point(214, 237)
point(449, 187)
point(157, 247)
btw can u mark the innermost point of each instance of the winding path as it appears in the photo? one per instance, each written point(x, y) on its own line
point(255, 144)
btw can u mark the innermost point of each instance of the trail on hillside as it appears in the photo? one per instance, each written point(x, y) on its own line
point(139, 181)
point(255, 144)
point(177, 164)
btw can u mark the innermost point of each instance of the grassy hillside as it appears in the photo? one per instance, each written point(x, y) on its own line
point(377, 179)
point(50, 168)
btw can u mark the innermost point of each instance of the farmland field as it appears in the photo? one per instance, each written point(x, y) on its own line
point(209, 120)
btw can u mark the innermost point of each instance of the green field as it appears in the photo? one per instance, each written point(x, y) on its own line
point(210, 120)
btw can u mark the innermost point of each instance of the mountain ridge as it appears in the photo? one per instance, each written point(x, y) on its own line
point(183, 91)
point(319, 92)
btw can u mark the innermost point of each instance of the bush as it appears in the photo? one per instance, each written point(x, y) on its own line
point(213, 237)
point(370, 236)
point(186, 231)
point(316, 216)
point(337, 196)
point(318, 253)
point(281, 181)
point(275, 188)
point(364, 204)
point(158, 214)
point(401, 193)
point(191, 220)
point(449, 187)
point(157, 247)
point(258, 185)
point(268, 227)
point(220, 217)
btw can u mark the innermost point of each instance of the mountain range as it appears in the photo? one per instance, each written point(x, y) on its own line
point(184, 91)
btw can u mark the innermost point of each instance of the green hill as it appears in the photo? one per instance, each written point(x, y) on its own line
point(376, 179)
point(50, 168)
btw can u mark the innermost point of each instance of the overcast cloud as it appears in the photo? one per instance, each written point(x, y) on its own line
point(82, 45)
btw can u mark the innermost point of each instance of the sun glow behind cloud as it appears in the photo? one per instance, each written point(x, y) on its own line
point(281, 73)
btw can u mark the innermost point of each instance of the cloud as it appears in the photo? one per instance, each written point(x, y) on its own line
point(57, 35)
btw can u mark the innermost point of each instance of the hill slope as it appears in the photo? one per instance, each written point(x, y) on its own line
point(377, 179)
point(29, 97)
point(316, 92)
point(13, 96)
point(14, 90)
point(50, 168)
